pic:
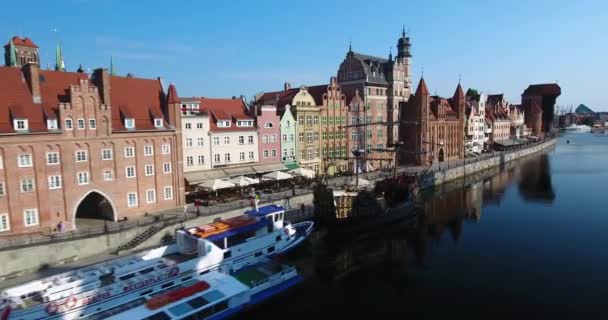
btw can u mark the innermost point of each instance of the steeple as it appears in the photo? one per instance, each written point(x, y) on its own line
point(112, 71)
point(422, 88)
point(59, 63)
point(172, 96)
point(459, 93)
point(390, 54)
point(12, 55)
point(80, 69)
point(403, 46)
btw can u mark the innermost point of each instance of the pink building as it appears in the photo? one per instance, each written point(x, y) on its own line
point(269, 134)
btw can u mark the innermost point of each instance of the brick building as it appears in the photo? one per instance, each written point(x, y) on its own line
point(538, 101)
point(79, 146)
point(384, 85)
point(432, 127)
point(21, 51)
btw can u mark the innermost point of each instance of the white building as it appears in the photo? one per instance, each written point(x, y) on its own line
point(475, 124)
point(195, 136)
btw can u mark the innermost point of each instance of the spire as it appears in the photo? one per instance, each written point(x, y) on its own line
point(350, 46)
point(403, 32)
point(112, 71)
point(12, 54)
point(172, 97)
point(80, 69)
point(422, 88)
point(390, 54)
point(59, 63)
point(459, 93)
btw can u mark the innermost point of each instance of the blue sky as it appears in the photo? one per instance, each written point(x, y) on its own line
point(226, 48)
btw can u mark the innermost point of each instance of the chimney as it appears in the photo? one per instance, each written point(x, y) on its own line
point(32, 76)
point(286, 86)
point(101, 78)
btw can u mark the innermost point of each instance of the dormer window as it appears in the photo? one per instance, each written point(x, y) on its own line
point(244, 123)
point(51, 124)
point(129, 123)
point(158, 122)
point(21, 124)
point(223, 123)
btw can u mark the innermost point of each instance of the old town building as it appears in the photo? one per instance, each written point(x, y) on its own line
point(95, 146)
point(195, 136)
point(432, 128)
point(499, 125)
point(475, 123)
point(307, 116)
point(288, 138)
point(334, 117)
point(21, 51)
point(269, 134)
point(538, 102)
point(384, 84)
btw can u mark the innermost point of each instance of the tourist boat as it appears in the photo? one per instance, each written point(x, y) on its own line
point(226, 243)
point(578, 127)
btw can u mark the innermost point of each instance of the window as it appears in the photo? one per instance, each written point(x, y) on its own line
point(223, 123)
point(167, 167)
point(291, 152)
point(81, 155)
point(226, 140)
point(199, 141)
point(129, 123)
point(308, 120)
point(130, 172)
point(51, 124)
point(273, 153)
point(251, 157)
point(189, 160)
point(27, 185)
point(25, 160)
point(199, 125)
point(54, 182)
point(20, 124)
point(241, 139)
point(188, 142)
point(80, 124)
point(2, 189)
point(250, 140)
point(83, 178)
point(265, 138)
point(148, 150)
point(308, 153)
point(4, 223)
point(315, 120)
point(268, 125)
point(316, 152)
point(227, 157)
point(301, 120)
point(166, 149)
point(158, 122)
point(353, 135)
point(30, 217)
point(132, 199)
point(301, 154)
point(151, 196)
point(92, 124)
point(291, 137)
point(265, 154)
point(149, 169)
point(168, 193)
point(242, 156)
point(284, 153)
point(284, 138)
point(106, 154)
point(68, 124)
point(216, 158)
point(52, 158)
point(316, 136)
point(273, 138)
point(216, 140)
point(201, 159)
point(129, 152)
point(301, 136)
point(108, 175)
point(379, 132)
point(188, 125)
point(309, 136)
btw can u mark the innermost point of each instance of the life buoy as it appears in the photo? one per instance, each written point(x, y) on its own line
point(52, 308)
point(71, 302)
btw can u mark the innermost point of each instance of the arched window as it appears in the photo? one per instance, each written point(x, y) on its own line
point(268, 125)
point(68, 124)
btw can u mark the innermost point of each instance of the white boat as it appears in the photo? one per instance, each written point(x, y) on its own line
point(578, 127)
point(228, 244)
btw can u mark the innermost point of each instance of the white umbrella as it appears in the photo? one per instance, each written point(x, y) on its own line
point(303, 172)
point(216, 184)
point(243, 181)
point(362, 183)
point(276, 176)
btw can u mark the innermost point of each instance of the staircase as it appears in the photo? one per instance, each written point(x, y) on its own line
point(153, 229)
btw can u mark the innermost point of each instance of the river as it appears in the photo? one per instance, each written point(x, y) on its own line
point(527, 241)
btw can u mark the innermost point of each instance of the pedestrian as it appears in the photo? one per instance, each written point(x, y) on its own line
point(302, 207)
point(60, 226)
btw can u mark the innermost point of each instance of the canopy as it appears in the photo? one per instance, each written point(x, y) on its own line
point(362, 182)
point(303, 172)
point(216, 184)
point(242, 181)
point(276, 175)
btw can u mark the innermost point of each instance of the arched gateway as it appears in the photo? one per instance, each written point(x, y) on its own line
point(94, 205)
point(441, 155)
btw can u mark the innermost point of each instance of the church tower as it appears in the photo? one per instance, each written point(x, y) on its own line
point(400, 85)
point(21, 51)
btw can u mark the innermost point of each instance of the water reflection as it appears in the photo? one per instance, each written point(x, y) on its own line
point(535, 183)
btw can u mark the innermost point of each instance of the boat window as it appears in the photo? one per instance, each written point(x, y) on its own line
point(146, 270)
point(198, 302)
point(227, 254)
point(278, 238)
point(167, 285)
point(205, 313)
point(276, 217)
point(203, 272)
point(146, 292)
point(127, 276)
point(186, 278)
point(220, 306)
point(257, 254)
point(270, 249)
point(158, 316)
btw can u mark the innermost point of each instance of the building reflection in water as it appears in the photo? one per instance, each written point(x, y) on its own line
point(444, 215)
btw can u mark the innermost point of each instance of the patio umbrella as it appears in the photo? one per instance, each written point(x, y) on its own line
point(276, 176)
point(362, 183)
point(243, 181)
point(303, 172)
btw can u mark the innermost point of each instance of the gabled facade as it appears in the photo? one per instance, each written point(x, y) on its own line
point(195, 132)
point(21, 51)
point(288, 139)
point(384, 84)
point(73, 146)
point(499, 124)
point(475, 123)
point(269, 134)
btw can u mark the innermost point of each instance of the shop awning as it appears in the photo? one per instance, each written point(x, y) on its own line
point(239, 171)
point(197, 177)
point(263, 168)
point(291, 166)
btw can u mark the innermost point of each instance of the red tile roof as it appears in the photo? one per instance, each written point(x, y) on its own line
point(422, 89)
point(25, 42)
point(172, 97)
point(55, 89)
point(16, 101)
point(443, 106)
point(459, 93)
point(226, 109)
point(140, 99)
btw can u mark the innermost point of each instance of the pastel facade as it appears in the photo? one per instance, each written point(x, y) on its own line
point(269, 134)
point(288, 139)
point(475, 123)
point(75, 146)
point(196, 143)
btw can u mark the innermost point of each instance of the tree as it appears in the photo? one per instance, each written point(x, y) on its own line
point(472, 93)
